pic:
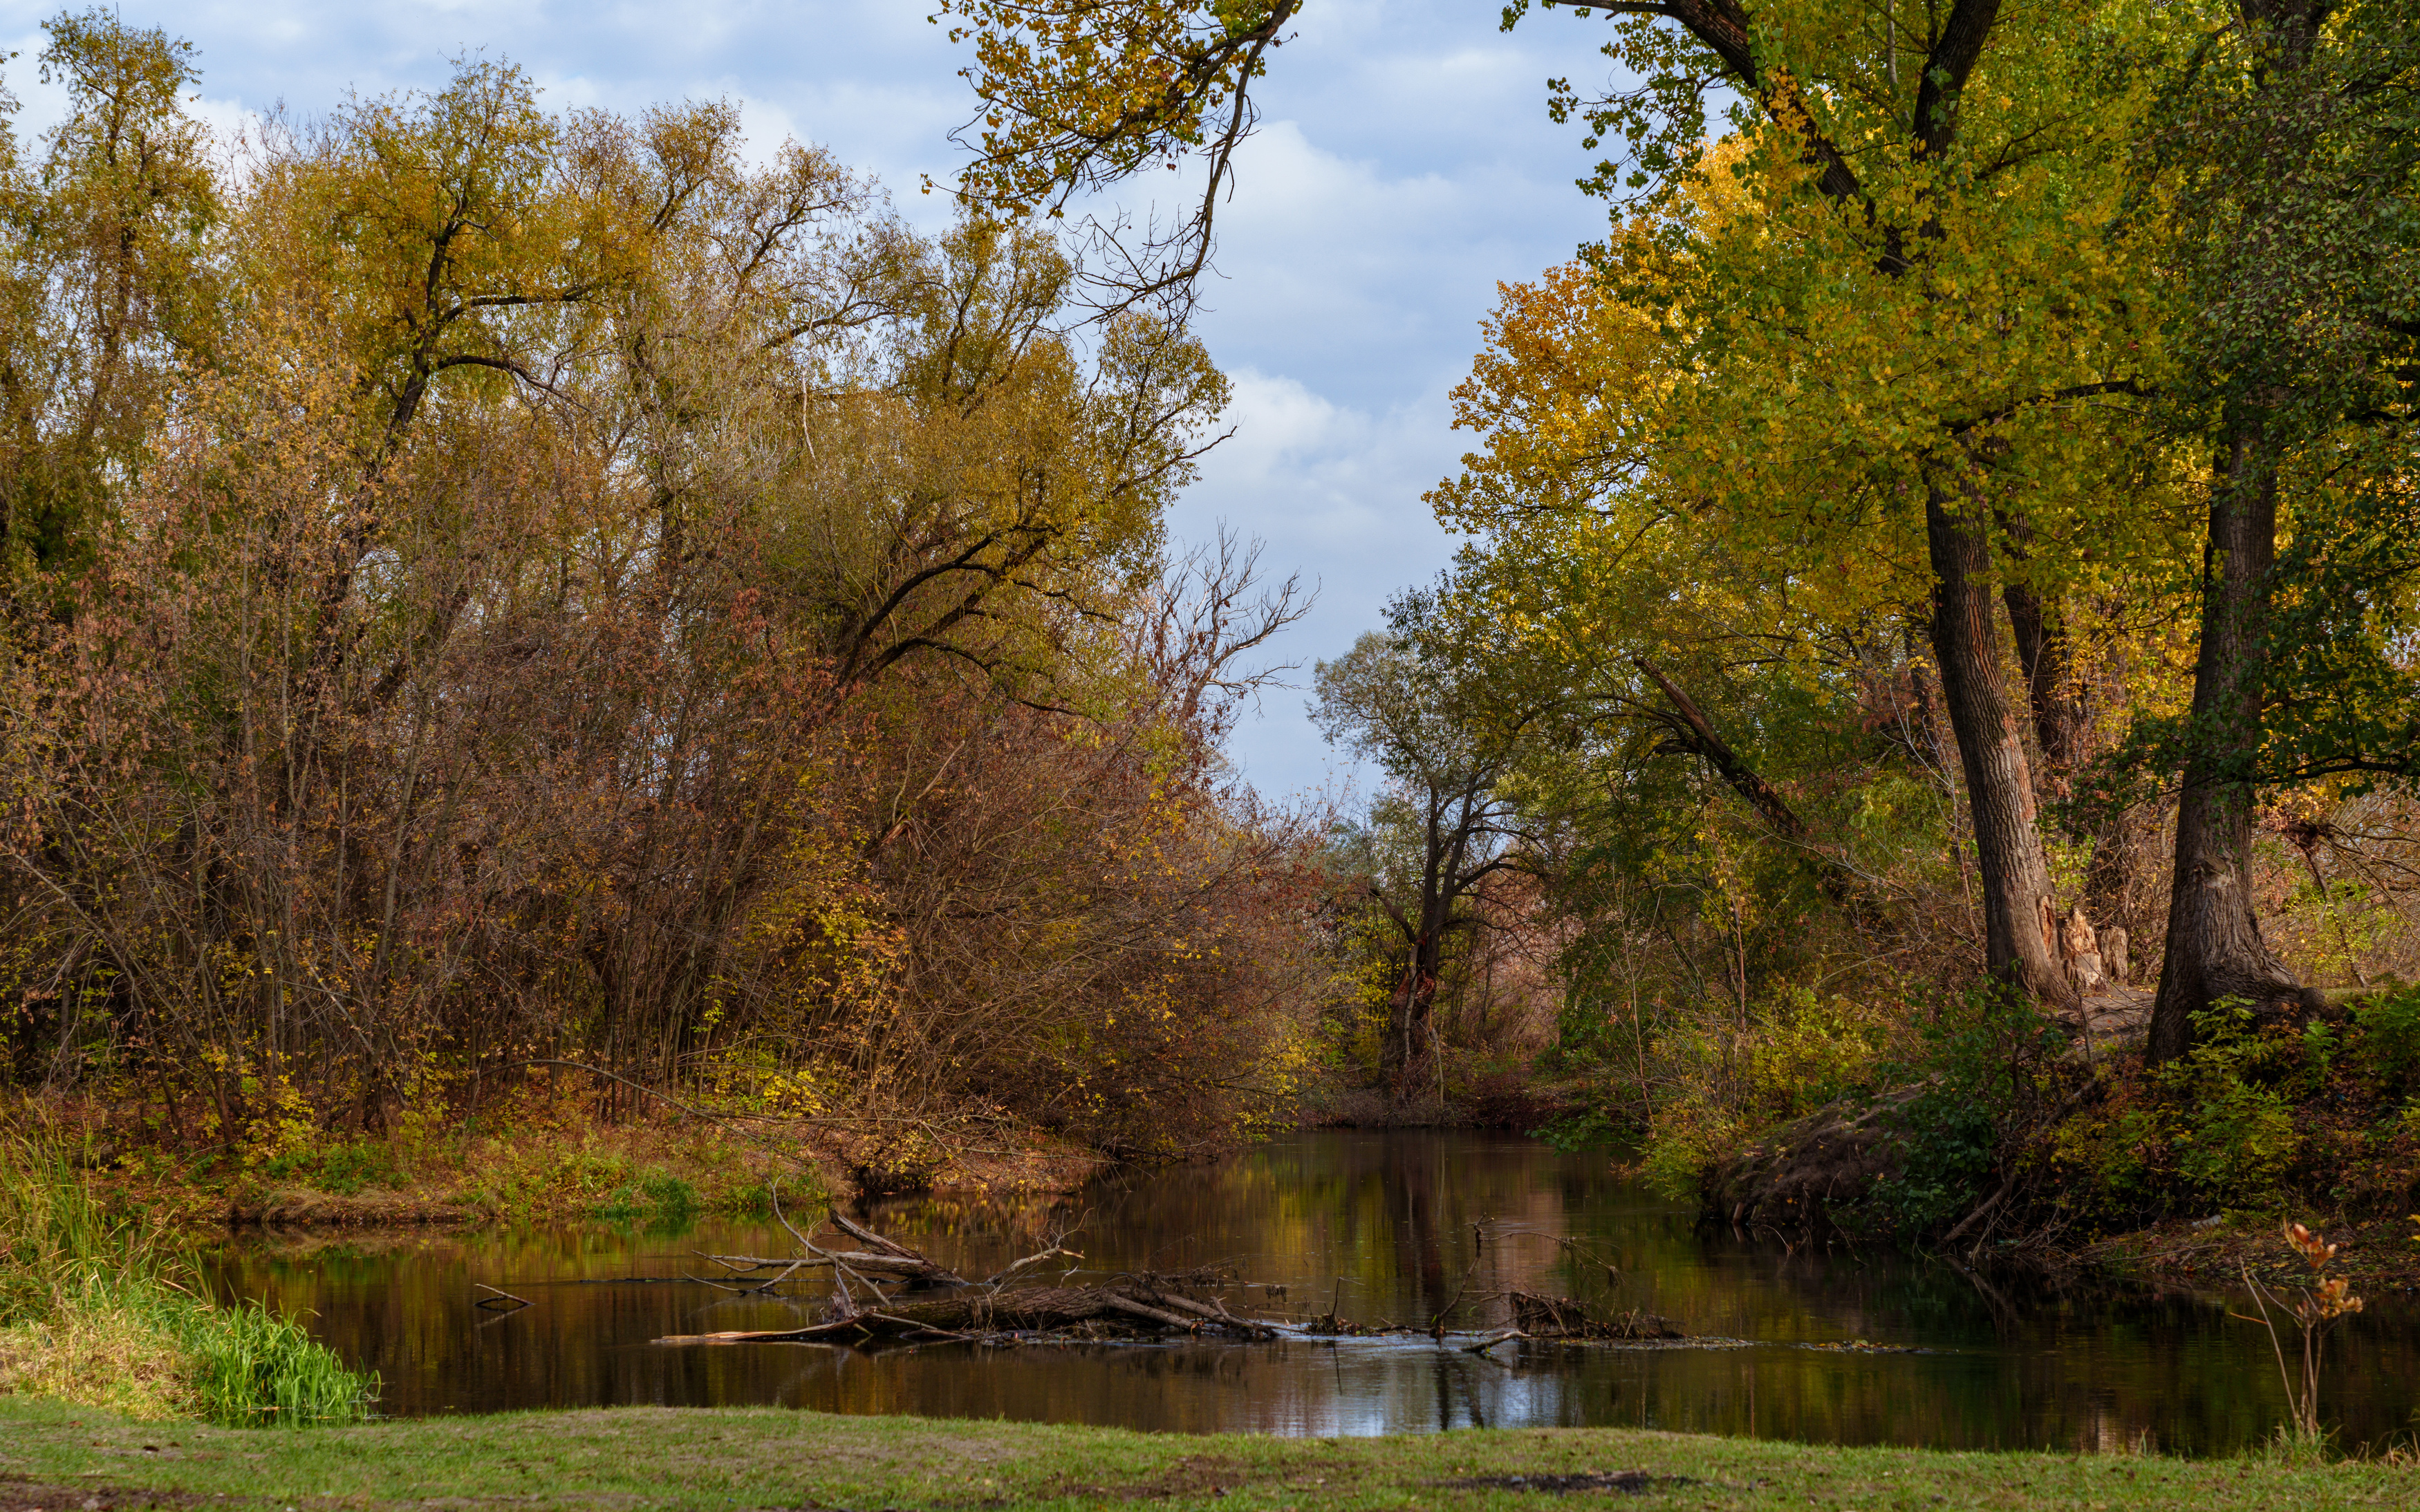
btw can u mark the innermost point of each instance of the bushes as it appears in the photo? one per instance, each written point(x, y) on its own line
point(345, 1167)
point(2234, 1134)
point(2257, 1115)
point(1983, 1072)
point(95, 1310)
point(1732, 1081)
point(2389, 1027)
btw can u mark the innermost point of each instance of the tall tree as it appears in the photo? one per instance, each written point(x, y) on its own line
point(119, 215)
point(2292, 139)
point(1893, 182)
point(1446, 747)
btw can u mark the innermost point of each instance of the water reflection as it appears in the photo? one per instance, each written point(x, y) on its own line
point(1389, 1227)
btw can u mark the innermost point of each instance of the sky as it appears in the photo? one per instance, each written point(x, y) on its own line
point(1405, 165)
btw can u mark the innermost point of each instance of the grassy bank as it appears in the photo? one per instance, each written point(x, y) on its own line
point(543, 1155)
point(100, 1309)
point(672, 1458)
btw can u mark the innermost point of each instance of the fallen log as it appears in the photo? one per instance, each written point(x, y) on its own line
point(979, 1311)
point(918, 1269)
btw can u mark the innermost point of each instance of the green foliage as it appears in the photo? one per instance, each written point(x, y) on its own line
point(98, 1308)
point(1979, 1074)
point(2236, 1137)
point(2389, 1040)
point(1591, 1126)
point(1810, 1051)
point(1948, 1147)
point(667, 1202)
point(345, 1167)
point(2255, 1117)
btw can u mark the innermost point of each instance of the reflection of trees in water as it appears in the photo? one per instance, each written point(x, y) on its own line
point(1389, 1216)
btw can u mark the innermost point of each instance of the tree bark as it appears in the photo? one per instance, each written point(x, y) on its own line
point(1415, 995)
point(1415, 1000)
point(2018, 914)
point(2214, 948)
point(2048, 658)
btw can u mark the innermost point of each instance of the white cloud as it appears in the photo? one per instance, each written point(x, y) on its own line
point(1335, 492)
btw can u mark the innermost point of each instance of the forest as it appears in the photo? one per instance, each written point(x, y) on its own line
point(501, 600)
point(490, 585)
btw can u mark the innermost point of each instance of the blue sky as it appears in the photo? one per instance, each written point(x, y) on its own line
point(1405, 165)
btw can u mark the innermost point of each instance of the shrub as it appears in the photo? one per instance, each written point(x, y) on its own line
point(2238, 1136)
point(2390, 1035)
point(1981, 1071)
point(1810, 1051)
point(344, 1168)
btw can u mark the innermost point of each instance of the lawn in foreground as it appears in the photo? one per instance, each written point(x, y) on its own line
point(56, 1458)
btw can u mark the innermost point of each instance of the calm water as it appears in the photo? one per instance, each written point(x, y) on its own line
point(1384, 1222)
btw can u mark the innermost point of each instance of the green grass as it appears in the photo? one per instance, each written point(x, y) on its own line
point(645, 1457)
point(659, 1196)
point(97, 1309)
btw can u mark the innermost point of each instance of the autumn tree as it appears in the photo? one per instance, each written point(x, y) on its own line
point(2290, 145)
point(1932, 270)
point(598, 597)
point(1429, 721)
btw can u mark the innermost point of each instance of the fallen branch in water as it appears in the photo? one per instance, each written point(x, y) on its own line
point(1018, 1304)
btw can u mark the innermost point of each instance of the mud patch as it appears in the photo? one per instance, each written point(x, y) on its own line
point(1195, 1475)
point(28, 1496)
point(1618, 1482)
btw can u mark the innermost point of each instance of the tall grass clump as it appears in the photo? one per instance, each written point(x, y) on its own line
point(96, 1309)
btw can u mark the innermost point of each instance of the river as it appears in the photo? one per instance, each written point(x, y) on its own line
point(1387, 1226)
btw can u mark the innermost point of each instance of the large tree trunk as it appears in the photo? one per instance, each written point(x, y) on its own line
point(2214, 948)
point(2019, 914)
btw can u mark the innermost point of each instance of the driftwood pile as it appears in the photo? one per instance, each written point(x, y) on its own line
point(882, 1292)
point(1560, 1317)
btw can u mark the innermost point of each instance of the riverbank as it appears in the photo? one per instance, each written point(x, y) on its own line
point(2374, 1251)
point(543, 1158)
point(658, 1457)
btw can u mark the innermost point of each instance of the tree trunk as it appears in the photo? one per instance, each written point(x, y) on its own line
point(2063, 730)
point(2018, 914)
point(1407, 1029)
point(2214, 948)
point(2048, 658)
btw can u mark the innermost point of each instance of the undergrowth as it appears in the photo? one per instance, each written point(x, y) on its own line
point(1994, 1108)
point(2318, 1113)
point(2322, 1114)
